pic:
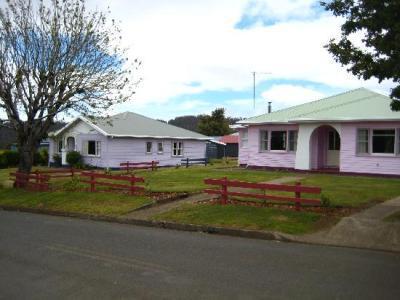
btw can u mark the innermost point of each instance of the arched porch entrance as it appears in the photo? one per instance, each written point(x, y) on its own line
point(325, 148)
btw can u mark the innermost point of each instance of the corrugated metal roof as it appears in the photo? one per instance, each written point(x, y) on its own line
point(129, 124)
point(356, 105)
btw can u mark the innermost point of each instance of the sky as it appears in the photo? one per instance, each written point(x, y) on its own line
point(199, 55)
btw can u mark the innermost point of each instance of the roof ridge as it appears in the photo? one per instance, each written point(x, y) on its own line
point(337, 105)
point(307, 103)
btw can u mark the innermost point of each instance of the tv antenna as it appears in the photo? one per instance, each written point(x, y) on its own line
point(254, 85)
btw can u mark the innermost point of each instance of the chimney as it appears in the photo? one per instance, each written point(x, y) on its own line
point(269, 107)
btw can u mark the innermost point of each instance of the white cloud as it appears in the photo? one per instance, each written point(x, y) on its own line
point(182, 41)
point(285, 95)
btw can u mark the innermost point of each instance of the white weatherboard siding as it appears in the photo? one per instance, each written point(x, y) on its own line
point(303, 153)
point(132, 149)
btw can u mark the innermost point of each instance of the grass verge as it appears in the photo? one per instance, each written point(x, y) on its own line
point(244, 217)
point(393, 217)
point(105, 204)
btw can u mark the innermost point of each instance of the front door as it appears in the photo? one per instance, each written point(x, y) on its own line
point(333, 153)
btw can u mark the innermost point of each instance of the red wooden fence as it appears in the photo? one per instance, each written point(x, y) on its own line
point(139, 165)
point(297, 189)
point(32, 181)
point(59, 173)
point(131, 187)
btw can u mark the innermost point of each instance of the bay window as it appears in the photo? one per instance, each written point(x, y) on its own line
point(293, 140)
point(362, 141)
point(244, 138)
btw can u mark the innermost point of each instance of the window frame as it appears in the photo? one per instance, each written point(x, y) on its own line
point(97, 147)
point(174, 149)
point(286, 141)
point(367, 141)
point(162, 148)
point(244, 139)
point(60, 145)
point(296, 135)
point(151, 147)
point(262, 140)
point(394, 142)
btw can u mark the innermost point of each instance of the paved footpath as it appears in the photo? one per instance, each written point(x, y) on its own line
point(366, 229)
point(47, 257)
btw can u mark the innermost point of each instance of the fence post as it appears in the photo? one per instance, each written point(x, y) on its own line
point(224, 195)
point(132, 184)
point(92, 182)
point(72, 172)
point(152, 165)
point(298, 195)
point(187, 162)
point(37, 180)
point(127, 167)
point(205, 161)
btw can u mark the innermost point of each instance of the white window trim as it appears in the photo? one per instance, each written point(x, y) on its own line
point(242, 145)
point(162, 146)
point(151, 147)
point(172, 148)
point(269, 141)
point(286, 142)
point(383, 154)
point(370, 142)
point(97, 148)
point(262, 140)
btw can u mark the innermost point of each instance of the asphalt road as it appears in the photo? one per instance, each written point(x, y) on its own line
point(54, 257)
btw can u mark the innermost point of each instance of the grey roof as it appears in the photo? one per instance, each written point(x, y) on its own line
point(356, 105)
point(129, 124)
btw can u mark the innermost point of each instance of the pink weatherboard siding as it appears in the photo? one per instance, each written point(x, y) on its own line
point(252, 156)
point(352, 162)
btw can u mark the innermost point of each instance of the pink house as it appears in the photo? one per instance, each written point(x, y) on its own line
point(353, 132)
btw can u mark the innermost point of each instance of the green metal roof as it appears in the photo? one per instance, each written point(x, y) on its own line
point(129, 124)
point(356, 105)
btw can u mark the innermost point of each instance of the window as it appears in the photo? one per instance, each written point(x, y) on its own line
point(177, 148)
point(160, 147)
point(292, 140)
point(149, 146)
point(278, 140)
point(383, 141)
point(244, 138)
point(333, 140)
point(93, 148)
point(362, 141)
point(263, 140)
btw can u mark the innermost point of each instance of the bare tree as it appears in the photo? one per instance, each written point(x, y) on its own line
point(57, 58)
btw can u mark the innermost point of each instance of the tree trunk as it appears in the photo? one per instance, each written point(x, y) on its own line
point(26, 154)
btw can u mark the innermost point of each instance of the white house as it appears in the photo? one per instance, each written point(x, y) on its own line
point(126, 137)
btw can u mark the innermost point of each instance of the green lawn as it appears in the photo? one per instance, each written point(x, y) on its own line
point(191, 179)
point(106, 204)
point(246, 217)
point(354, 191)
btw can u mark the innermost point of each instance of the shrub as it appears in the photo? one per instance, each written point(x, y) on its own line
point(325, 201)
point(74, 158)
point(9, 158)
point(73, 185)
point(57, 159)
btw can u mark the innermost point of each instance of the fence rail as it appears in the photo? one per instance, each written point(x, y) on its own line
point(93, 180)
point(59, 173)
point(297, 189)
point(194, 161)
point(23, 180)
point(139, 165)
